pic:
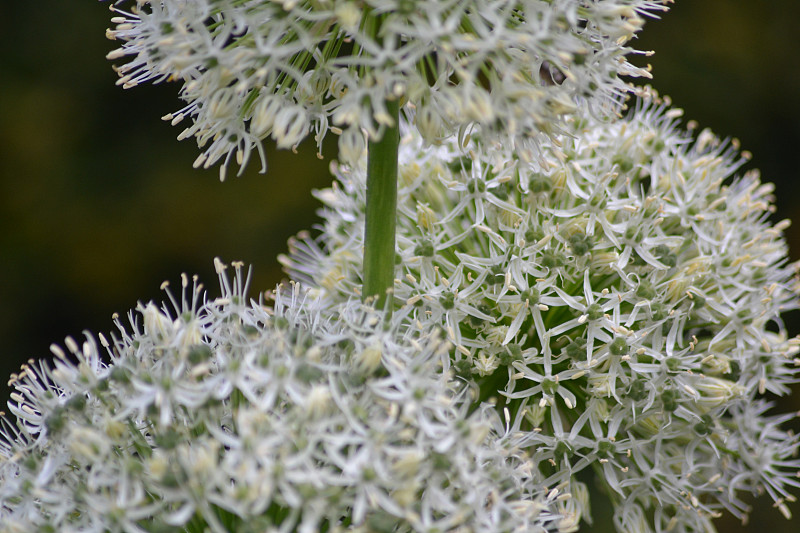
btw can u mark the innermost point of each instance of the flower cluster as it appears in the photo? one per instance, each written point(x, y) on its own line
point(620, 297)
point(281, 69)
point(225, 415)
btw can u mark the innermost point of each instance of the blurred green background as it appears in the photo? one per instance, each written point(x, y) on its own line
point(99, 203)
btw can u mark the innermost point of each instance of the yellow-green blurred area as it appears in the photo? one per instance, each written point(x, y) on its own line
point(99, 203)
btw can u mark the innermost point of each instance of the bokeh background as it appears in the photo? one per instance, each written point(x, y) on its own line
point(99, 203)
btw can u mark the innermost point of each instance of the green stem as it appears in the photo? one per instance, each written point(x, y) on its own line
point(381, 212)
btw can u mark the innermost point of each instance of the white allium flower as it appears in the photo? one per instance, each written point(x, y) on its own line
point(257, 69)
point(621, 296)
point(225, 415)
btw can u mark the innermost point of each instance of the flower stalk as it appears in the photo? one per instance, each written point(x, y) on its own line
point(381, 211)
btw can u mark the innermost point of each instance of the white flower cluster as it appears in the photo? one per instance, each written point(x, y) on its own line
point(281, 69)
point(620, 296)
point(228, 416)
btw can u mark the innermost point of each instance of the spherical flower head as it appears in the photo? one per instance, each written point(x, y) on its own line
point(225, 415)
point(257, 69)
point(620, 296)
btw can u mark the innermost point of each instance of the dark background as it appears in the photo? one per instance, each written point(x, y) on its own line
point(99, 203)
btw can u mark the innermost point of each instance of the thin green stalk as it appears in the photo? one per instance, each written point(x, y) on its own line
point(381, 212)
